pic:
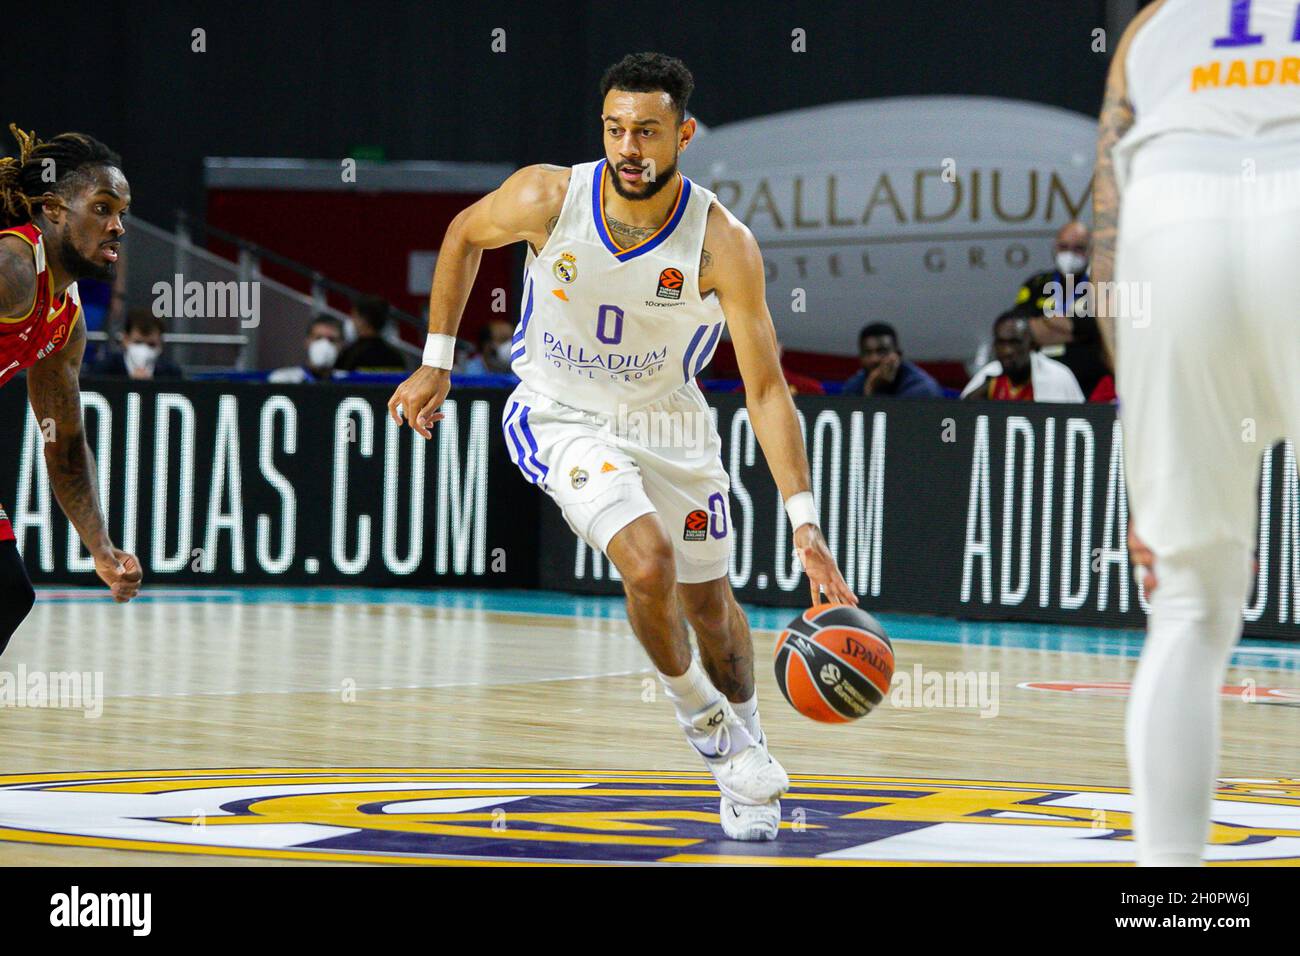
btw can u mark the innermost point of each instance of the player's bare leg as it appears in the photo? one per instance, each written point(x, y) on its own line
point(727, 651)
point(745, 772)
point(644, 557)
point(722, 629)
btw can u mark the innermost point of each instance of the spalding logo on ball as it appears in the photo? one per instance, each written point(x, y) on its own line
point(834, 663)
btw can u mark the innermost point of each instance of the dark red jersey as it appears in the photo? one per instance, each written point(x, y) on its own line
point(45, 329)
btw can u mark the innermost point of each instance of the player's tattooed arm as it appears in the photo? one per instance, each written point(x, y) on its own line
point(54, 388)
point(1117, 118)
point(17, 278)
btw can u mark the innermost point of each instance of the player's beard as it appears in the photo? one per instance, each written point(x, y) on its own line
point(78, 266)
point(652, 187)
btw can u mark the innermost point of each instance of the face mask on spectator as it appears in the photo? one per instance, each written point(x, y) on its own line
point(1070, 263)
point(503, 352)
point(141, 355)
point(322, 353)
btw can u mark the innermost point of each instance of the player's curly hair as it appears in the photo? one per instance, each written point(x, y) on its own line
point(650, 73)
point(55, 166)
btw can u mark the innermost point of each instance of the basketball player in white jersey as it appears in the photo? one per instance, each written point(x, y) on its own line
point(632, 271)
point(1197, 194)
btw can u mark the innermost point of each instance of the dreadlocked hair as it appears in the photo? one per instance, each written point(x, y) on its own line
point(55, 166)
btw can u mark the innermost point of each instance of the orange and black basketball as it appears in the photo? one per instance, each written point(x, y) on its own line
point(834, 663)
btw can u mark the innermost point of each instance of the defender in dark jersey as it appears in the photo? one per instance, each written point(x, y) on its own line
point(62, 203)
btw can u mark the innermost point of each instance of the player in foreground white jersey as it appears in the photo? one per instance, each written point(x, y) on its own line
point(632, 270)
point(1197, 196)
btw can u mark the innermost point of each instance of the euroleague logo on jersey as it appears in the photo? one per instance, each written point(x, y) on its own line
point(53, 344)
point(697, 526)
point(670, 284)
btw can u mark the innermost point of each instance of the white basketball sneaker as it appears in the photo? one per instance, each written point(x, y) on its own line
point(751, 824)
point(744, 770)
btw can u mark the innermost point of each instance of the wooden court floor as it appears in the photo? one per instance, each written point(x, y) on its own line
point(238, 728)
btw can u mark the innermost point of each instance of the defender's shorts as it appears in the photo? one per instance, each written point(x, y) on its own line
point(607, 470)
point(1210, 378)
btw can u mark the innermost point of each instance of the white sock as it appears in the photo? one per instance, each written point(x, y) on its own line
point(1172, 726)
point(690, 693)
point(747, 711)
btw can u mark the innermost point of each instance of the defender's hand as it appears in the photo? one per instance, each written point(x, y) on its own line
point(823, 574)
point(1142, 557)
point(121, 572)
point(418, 398)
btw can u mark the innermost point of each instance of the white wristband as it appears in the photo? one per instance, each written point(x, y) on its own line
point(440, 350)
point(802, 509)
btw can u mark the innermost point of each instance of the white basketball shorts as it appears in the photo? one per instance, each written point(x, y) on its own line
point(1209, 377)
point(605, 470)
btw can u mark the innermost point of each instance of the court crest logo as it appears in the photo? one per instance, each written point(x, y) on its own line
point(485, 817)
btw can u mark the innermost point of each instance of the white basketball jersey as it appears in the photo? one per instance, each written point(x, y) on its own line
point(1217, 68)
point(604, 327)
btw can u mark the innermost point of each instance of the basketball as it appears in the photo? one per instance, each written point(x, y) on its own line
point(834, 663)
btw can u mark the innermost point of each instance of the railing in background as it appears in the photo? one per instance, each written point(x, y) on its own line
point(161, 265)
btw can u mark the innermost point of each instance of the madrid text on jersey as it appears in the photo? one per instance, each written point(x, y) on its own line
point(1265, 72)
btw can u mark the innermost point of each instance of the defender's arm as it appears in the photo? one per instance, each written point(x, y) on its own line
point(54, 388)
point(17, 278)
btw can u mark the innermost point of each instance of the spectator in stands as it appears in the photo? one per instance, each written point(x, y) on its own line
point(884, 370)
point(799, 384)
point(1058, 304)
point(324, 339)
point(141, 355)
point(494, 347)
point(1020, 372)
point(370, 353)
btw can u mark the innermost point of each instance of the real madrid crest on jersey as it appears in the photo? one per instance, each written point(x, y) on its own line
point(566, 267)
point(577, 477)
